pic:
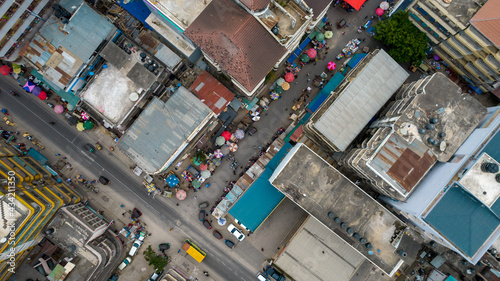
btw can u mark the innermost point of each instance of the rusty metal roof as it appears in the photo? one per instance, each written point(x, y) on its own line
point(487, 21)
point(255, 4)
point(405, 163)
point(236, 41)
point(211, 92)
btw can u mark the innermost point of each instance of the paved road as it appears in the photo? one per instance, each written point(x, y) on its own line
point(34, 117)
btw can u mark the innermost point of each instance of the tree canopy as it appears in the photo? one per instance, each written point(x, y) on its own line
point(157, 261)
point(405, 41)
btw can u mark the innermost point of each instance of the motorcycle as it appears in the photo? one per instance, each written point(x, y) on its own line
point(99, 147)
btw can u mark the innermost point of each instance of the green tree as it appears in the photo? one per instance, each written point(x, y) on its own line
point(406, 43)
point(157, 261)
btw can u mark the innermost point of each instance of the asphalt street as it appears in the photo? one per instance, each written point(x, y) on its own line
point(30, 113)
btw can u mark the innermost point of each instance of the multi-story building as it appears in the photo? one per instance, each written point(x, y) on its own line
point(18, 18)
point(457, 204)
point(465, 35)
point(427, 122)
point(29, 198)
point(247, 38)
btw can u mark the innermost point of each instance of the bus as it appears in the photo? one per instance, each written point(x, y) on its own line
point(193, 250)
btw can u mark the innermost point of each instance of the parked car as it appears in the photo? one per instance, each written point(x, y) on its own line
point(155, 275)
point(135, 247)
point(341, 24)
point(124, 263)
point(236, 232)
point(202, 215)
point(163, 247)
point(203, 205)
point(113, 278)
point(89, 147)
point(103, 180)
point(142, 236)
point(217, 234)
point(207, 224)
point(261, 277)
point(229, 243)
point(136, 213)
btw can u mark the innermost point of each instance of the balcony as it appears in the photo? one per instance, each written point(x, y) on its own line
point(468, 41)
point(481, 65)
point(459, 46)
point(451, 50)
point(477, 73)
point(481, 39)
point(493, 62)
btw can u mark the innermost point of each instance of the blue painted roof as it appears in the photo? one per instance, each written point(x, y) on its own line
point(257, 203)
point(463, 220)
point(261, 198)
point(85, 31)
point(138, 9)
point(355, 59)
point(492, 148)
point(37, 156)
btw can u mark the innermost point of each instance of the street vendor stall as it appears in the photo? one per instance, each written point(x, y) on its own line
point(351, 47)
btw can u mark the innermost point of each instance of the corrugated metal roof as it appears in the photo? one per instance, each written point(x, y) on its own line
point(211, 92)
point(487, 21)
point(255, 4)
point(167, 56)
point(236, 41)
point(361, 100)
point(81, 36)
point(163, 128)
point(405, 163)
point(463, 220)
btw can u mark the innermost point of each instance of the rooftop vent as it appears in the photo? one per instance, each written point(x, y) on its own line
point(349, 231)
point(343, 225)
point(434, 120)
point(441, 134)
point(336, 219)
point(497, 178)
point(430, 126)
point(330, 215)
point(362, 240)
point(421, 131)
point(356, 235)
point(368, 245)
point(489, 168)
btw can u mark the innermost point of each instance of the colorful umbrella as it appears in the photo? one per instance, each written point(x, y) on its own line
point(328, 34)
point(36, 91)
point(379, 12)
point(5, 70)
point(285, 86)
point(29, 86)
point(220, 140)
point(218, 153)
point(217, 162)
point(289, 77)
point(203, 167)
point(233, 147)
point(59, 109)
point(150, 187)
point(181, 194)
point(280, 81)
point(88, 125)
point(304, 58)
point(196, 184)
point(312, 53)
point(239, 134)
point(84, 115)
point(275, 96)
point(172, 180)
point(278, 90)
point(226, 135)
point(320, 37)
point(436, 57)
point(205, 174)
point(17, 68)
point(384, 5)
point(331, 65)
point(79, 126)
point(42, 95)
point(196, 161)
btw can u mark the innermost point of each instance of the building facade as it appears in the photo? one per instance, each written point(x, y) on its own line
point(463, 35)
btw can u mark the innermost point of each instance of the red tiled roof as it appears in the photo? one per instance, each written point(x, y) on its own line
point(255, 4)
point(487, 21)
point(236, 41)
point(211, 92)
point(298, 132)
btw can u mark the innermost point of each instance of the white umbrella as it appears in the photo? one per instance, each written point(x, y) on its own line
point(239, 134)
point(220, 140)
point(256, 118)
point(255, 113)
point(233, 147)
point(205, 174)
point(384, 5)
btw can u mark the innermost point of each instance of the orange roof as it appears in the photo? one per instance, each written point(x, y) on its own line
point(356, 4)
point(211, 92)
point(487, 21)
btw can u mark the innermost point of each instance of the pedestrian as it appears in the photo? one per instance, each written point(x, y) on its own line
point(348, 25)
point(123, 214)
point(57, 154)
point(308, 80)
point(343, 33)
point(195, 197)
point(308, 74)
point(64, 157)
point(171, 228)
point(326, 53)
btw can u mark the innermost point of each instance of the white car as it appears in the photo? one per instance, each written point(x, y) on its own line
point(236, 232)
point(241, 225)
point(135, 247)
point(124, 263)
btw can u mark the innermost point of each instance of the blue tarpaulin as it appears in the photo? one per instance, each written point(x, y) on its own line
point(138, 9)
point(299, 50)
point(355, 60)
point(37, 156)
point(325, 92)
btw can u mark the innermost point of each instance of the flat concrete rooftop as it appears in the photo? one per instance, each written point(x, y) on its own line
point(481, 184)
point(319, 189)
point(181, 12)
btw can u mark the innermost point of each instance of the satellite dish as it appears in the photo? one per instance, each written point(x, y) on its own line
point(134, 96)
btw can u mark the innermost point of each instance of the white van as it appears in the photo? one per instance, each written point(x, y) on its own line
point(261, 277)
point(124, 263)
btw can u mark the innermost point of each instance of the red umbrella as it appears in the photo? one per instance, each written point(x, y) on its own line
point(331, 65)
point(312, 53)
point(289, 77)
point(42, 95)
point(5, 70)
point(226, 135)
point(379, 12)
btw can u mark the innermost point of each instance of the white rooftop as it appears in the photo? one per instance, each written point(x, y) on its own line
point(370, 89)
point(181, 12)
point(482, 184)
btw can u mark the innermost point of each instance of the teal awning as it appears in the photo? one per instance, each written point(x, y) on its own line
point(69, 97)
